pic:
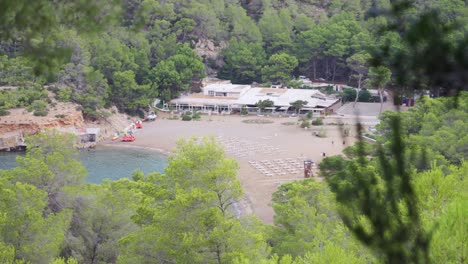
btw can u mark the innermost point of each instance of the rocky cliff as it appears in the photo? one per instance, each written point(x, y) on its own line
point(63, 116)
point(210, 51)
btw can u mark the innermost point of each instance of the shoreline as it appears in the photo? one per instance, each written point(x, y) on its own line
point(106, 143)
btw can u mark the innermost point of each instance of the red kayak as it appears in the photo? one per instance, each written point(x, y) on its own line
point(128, 138)
point(139, 125)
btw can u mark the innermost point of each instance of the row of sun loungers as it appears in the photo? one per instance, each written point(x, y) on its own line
point(244, 148)
point(278, 166)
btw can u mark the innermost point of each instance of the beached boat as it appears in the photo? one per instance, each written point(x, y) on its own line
point(128, 138)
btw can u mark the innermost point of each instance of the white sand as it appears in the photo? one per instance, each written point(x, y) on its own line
point(257, 142)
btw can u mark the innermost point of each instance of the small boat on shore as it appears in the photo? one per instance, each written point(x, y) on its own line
point(127, 138)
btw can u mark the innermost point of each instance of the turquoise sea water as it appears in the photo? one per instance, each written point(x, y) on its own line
point(108, 162)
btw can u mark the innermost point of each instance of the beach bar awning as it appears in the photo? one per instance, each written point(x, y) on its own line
point(312, 108)
point(92, 130)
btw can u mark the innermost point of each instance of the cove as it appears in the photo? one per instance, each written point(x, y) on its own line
point(106, 162)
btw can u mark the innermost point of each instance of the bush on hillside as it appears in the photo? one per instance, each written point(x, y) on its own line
point(64, 94)
point(4, 112)
point(39, 108)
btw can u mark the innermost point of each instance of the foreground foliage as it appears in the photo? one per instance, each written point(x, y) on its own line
point(410, 186)
point(191, 213)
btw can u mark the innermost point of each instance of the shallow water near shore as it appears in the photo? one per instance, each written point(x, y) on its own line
point(106, 162)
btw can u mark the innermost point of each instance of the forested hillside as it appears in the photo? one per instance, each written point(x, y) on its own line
point(127, 53)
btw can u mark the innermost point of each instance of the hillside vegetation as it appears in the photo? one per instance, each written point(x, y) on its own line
point(126, 53)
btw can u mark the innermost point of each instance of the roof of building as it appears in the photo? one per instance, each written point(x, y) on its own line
point(284, 98)
point(251, 96)
point(272, 90)
point(226, 87)
point(92, 130)
point(199, 100)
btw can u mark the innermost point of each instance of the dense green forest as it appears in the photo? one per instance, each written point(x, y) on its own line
point(126, 53)
point(186, 215)
point(400, 200)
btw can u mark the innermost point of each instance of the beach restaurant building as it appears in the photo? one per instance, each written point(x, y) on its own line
point(225, 97)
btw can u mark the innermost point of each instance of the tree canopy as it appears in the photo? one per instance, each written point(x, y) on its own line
point(126, 53)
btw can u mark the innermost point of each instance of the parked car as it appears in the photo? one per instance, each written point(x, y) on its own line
point(151, 116)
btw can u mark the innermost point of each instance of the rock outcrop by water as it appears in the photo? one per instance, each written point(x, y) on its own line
point(65, 117)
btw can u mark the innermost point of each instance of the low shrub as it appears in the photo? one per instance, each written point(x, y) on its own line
point(64, 94)
point(317, 122)
point(322, 133)
point(39, 108)
point(40, 112)
point(4, 112)
point(104, 114)
point(244, 111)
point(196, 116)
point(305, 124)
point(187, 116)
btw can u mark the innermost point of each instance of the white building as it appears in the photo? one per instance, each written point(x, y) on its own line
point(282, 99)
point(225, 89)
point(225, 96)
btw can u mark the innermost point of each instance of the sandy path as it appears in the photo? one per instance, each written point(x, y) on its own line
point(249, 142)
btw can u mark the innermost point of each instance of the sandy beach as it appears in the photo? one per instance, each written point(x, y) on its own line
point(278, 147)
